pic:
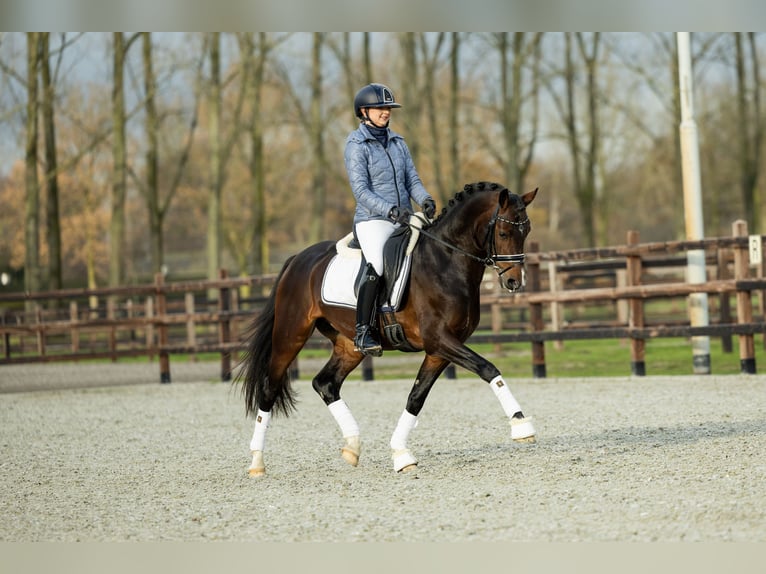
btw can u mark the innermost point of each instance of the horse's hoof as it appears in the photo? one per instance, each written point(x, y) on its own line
point(257, 467)
point(403, 460)
point(352, 450)
point(522, 430)
point(527, 440)
point(409, 468)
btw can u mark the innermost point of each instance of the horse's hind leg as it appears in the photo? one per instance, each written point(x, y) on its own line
point(327, 384)
point(429, 371)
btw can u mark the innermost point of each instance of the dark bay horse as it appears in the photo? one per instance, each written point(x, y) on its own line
point(484, 225)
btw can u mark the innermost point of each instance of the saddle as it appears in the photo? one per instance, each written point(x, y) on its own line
point(340, 284)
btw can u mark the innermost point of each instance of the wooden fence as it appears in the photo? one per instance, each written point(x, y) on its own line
point(164, 319)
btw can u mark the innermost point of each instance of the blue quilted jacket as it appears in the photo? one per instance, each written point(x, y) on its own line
point(381, 178)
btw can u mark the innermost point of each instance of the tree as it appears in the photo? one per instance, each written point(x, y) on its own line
point(316, 135)
point(216, 168)
point(53, 227)
point(431, 63)
point(454, 105)
point(119, 159)
point(32, 185)
point(583, 137)
point(751, 125)
point(157, 205)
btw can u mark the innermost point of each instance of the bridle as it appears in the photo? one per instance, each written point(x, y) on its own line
point(492, 258)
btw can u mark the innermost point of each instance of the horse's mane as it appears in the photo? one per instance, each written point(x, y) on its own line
point(468, 190)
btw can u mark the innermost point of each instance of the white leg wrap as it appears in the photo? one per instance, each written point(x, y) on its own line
point(259, 433)
point(402, 459)
point(503, 393)
point(406, 423)
point(522, 430)
point(344, 418)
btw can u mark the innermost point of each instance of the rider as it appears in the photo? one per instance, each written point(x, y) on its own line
point(383, 180)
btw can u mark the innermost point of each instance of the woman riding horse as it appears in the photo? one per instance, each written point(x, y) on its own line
point(485, 225)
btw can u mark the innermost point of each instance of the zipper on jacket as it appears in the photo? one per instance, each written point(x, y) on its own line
point(396, 182)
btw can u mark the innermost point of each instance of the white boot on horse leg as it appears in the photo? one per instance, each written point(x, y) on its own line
point(522, 429)
point(403, 459)
point(350, 429)
point(257, 443)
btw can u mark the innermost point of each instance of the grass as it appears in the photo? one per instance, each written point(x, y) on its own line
point(580, 359)
point(576, 359)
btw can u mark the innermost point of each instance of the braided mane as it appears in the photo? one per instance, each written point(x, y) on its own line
point(468, 190)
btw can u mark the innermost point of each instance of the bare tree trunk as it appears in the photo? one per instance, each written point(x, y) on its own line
point(410, 93)
point(515, 55)
point(152, 158)
point(750, 127)
point(367, 51)
point(32, 204)
point(259, 254)
point(119, 169)
point(51, 168)
point(430, 64)
point(216, 179)
point(592, 189)
point(454, 132)
point(316, 134)
point(584, 161)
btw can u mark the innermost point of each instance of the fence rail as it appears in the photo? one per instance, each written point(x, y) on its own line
point(171, 318)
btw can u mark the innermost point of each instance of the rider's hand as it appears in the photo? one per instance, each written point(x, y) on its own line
point(399, 215)
point(429, 208)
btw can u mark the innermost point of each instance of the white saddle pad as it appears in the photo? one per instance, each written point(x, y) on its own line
point(340, 276)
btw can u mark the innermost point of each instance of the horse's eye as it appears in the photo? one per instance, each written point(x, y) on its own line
point(503, 234)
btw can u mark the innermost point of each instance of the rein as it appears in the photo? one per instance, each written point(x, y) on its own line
point(493, 258)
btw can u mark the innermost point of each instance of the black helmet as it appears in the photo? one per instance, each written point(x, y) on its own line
point(374, 96)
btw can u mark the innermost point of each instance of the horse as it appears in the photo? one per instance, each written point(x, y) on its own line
point(484, 225)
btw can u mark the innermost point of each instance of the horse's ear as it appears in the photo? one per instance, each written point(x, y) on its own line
point(503, 198)
point(529, 196)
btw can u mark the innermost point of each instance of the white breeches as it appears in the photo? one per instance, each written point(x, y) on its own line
point(372, 236)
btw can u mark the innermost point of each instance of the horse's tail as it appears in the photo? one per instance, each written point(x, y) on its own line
point(255, 366)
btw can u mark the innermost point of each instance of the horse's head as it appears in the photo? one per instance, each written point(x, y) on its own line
point(507, 229)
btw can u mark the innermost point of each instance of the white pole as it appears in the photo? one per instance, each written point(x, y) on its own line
point(698, 305)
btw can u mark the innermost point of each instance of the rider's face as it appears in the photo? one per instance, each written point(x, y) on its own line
point(379, 116)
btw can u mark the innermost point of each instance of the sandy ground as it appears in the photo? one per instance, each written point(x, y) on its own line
point(97, 452)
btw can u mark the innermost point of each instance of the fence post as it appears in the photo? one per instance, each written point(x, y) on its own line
point(6, 338)
point(744, 304)
point(368, 373)
point(636, 309)
point(162, 329)
point(536, 314)
point(40, 330)
point(553, 287)
point(149, 330)
point(224, 331)
point(722, 272)
point(74, 332)
point(110, 315)
point(191, 331)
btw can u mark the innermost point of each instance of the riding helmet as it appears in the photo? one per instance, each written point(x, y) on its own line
point(374, 96)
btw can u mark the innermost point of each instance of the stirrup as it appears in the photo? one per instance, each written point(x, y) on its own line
point(366, 344)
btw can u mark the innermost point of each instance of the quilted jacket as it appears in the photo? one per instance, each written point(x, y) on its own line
point(381, 178)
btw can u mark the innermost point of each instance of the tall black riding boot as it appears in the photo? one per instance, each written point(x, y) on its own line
point(365, 341)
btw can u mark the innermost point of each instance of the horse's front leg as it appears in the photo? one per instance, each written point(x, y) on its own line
point(429, 371)
point(522, 429)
